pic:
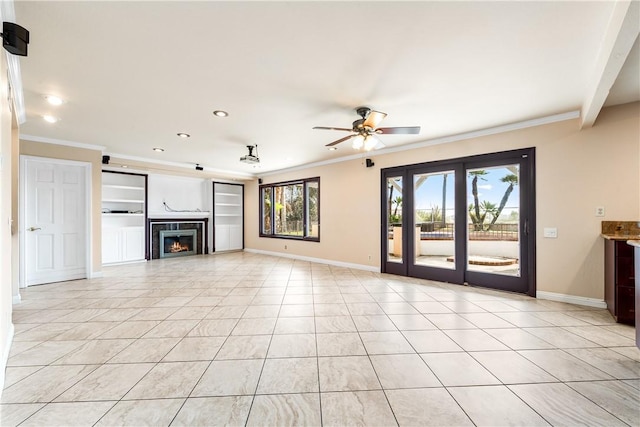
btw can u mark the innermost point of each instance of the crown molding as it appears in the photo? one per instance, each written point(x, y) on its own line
point(189, 166)
point(102, 149)
point(570, 115)
point(54, 141)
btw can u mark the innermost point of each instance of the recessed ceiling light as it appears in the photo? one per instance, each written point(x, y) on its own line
point(333, 148)
point(53, 100)
point(158, 149)
point(220, 113)
point(183, 135)
point(124, 166)
point(50, 119)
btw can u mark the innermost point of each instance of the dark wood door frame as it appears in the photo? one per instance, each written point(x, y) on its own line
point(526, 160)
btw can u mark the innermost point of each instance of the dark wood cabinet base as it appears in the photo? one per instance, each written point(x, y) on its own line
point(619, 281)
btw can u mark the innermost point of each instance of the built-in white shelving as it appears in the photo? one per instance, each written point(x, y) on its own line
point(123, 217)
point(228, 216)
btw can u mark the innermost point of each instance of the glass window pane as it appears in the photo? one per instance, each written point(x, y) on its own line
point(493, 206)
point(434, 218)
point(394, 219)
point(289, 209)
point(312, 220)
point(266, 210)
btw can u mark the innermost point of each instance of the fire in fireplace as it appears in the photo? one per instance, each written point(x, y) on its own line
point(177, 243)
point(178, 247)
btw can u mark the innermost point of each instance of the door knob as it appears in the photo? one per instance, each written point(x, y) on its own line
point(34, 228)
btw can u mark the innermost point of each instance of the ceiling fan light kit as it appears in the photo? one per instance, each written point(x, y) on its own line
point(365, 130)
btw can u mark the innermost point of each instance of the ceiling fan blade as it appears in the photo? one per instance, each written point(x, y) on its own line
point(397, 130)
point(331, 128)
point(339, 141)
point(374, 118)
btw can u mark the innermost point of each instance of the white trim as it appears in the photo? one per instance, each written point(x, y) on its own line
point(441, 140)
point(135, 261)
point(180, 215)
point(316, 260)
point(17, 299)
point(88, 175)
point(22, 211)
point(5, 356)
point(571, 299)
point(54, 141)
point(95, 275)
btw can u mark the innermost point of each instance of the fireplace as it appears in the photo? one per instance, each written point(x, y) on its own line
point(175, 243)
point(179, 226)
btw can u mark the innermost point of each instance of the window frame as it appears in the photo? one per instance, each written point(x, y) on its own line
point(272, 214)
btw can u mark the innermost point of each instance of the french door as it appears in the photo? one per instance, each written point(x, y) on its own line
point(468, 220)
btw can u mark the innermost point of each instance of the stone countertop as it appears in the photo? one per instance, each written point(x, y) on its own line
point(621, 230)
point(617, 236)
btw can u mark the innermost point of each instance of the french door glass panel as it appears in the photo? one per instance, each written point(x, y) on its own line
point(493, 220)
point(434, 219)
point(394, 219)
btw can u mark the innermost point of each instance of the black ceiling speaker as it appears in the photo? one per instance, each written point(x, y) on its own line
point(15, 38)
point(369, 163)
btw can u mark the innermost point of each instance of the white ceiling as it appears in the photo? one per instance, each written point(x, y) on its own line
point(134, 74)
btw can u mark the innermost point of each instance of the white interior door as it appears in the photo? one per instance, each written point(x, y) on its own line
point(54, 226)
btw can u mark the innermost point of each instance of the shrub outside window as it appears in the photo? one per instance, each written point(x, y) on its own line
point(291, 209)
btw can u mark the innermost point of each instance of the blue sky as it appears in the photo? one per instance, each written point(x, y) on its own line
point(490, 188)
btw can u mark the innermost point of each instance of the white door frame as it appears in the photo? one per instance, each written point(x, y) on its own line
point(23, 214)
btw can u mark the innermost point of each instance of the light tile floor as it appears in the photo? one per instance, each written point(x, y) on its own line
point(247, 339)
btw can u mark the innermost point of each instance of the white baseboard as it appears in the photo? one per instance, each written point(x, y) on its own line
point(5, 356)
point(95, 274)
point(17, 299)
point(571, 299)
point(318, 260)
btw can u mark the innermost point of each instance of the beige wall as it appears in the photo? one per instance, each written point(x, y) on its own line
point(94, 157)
point(575, 172)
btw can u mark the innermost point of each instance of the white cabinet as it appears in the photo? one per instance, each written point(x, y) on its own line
point(122, 244)
point(123, 217)
point(228, 237)
point(228, 216)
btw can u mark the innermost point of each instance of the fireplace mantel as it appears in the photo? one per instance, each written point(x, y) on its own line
point(178, 215)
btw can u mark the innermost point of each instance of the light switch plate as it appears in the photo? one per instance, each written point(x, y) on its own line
point(550, 232)
point(600, 211)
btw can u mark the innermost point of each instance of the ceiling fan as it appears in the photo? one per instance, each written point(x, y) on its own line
point(365, 130)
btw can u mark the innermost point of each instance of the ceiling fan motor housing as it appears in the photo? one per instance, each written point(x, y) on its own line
point(363, 112)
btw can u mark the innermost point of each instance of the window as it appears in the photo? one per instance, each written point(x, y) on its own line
point(291, 209)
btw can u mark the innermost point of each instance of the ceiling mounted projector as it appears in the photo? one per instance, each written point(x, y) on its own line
point(250, 158)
